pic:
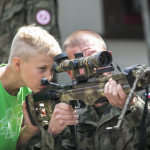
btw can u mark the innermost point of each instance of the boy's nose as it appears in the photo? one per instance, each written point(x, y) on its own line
point(49, 76)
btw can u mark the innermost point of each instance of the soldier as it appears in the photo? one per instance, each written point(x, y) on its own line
point(92, 121)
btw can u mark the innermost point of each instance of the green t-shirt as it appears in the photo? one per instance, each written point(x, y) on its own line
point(11, 115)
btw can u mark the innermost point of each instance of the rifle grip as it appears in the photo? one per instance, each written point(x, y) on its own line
point(73, 103)
point(28, 110)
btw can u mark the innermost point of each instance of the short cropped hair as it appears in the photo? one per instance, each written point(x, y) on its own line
point(81, 37)
point(30, 39)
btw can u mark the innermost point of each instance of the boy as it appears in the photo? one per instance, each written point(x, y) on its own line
point(30, 60)
point(92, 121)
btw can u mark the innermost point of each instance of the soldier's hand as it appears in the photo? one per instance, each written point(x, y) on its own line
point(115, 94)
point(62, 116)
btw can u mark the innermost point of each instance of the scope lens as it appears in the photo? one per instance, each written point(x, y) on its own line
point(105, 59)
point(102, 60)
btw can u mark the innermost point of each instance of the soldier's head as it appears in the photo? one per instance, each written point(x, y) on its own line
point(31, 55)
point(85, 41)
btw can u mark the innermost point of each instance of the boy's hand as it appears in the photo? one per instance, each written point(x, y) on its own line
point(115, 94)
point(62, 116)
point(30, 127)
point(28, 130)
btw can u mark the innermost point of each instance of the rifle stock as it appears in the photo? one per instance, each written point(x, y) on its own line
point(92, 90)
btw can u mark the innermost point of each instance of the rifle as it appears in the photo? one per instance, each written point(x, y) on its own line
point(88, 87)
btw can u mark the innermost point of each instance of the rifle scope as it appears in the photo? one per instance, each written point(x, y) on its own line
point(96, 60)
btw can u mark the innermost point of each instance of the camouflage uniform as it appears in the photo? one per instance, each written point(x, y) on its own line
point(16, 13)
point(91, 132)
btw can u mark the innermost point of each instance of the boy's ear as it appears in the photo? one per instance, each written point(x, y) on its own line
point(70, 74)
point(17, 63)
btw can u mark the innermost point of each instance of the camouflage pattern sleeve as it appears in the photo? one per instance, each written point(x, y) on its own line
point(49, 142)
point(135, 116)
point(60, 141)
point(67, 141)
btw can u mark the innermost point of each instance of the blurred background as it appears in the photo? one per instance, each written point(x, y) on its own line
point(123, 24)
point(119, 22)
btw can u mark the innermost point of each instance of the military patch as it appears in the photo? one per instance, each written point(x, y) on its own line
point(43, 17)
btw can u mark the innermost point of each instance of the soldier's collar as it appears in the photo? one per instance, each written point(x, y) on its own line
point(89, 115)
point(110, 112)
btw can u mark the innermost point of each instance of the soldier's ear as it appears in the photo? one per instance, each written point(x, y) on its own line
point(17, 63)
point(70, 74)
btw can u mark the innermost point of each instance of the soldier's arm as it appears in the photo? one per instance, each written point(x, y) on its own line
point(117, 97)
point(49, 141)
point(62, 116)
point(59, 141)
point(135, 116)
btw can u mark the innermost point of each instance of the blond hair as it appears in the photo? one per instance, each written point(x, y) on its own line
point(81, 37)
point(31, 39)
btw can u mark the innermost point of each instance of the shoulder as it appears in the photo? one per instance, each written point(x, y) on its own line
point(26, 90)
point(2, 69)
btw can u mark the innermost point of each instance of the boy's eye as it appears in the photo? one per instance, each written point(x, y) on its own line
point(43, 68)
